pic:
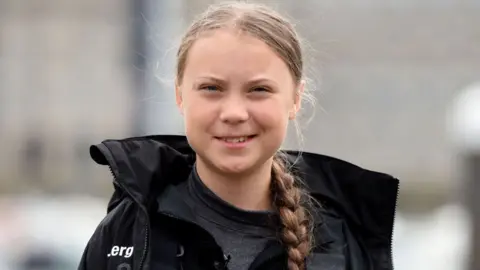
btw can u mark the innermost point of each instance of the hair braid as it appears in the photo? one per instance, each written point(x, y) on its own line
point(289, 200)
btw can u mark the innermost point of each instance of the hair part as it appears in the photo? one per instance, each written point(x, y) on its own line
point(253, 19)
point(265, 24)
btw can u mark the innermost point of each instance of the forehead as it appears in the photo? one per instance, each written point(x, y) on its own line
point(234, 54)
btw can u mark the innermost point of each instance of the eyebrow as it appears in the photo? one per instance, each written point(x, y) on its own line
point(211, 78)
point(256, 81)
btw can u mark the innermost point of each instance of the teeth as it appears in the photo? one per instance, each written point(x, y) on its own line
point(235, 140)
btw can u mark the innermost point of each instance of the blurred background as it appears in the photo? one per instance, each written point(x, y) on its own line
point(396, 84)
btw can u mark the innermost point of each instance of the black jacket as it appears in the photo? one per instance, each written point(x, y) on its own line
point(146, 218)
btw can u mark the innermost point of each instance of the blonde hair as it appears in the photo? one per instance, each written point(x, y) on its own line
point(263, 23)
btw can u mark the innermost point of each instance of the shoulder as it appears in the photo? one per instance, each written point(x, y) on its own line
point(113, 230)
point(116, 220)
point(354, 224)
point(365, 198)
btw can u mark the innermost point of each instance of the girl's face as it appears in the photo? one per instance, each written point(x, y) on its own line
point(237, 97)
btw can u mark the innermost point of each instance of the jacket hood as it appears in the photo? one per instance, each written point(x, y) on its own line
point(143, 166)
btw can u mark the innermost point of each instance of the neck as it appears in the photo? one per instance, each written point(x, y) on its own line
point(247, 191)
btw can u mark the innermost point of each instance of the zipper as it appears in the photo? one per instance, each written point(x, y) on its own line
point(145, 248)
point(147, 229)
point(394, 218)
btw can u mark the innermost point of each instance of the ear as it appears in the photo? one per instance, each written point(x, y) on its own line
point(178, 97)
point(297, 101)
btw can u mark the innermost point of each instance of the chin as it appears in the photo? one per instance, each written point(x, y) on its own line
point(234, 167)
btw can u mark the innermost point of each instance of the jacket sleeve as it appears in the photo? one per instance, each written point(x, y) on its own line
point(95, 254)
point(98, 247)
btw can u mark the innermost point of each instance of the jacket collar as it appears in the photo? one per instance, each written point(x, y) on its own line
point(144, 166)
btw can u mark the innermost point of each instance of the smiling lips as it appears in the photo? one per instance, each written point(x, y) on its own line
point(236, 142)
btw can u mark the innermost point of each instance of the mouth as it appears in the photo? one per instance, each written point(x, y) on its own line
point(236, 139)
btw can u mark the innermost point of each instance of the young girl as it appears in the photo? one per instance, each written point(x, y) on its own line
point(224, 197)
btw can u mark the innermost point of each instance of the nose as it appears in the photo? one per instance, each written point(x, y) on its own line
point(234, 110)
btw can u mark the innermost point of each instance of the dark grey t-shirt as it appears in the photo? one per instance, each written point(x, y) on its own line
point(241, 234)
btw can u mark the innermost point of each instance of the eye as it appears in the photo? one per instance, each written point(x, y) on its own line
point(260, 89)
point(210, 88)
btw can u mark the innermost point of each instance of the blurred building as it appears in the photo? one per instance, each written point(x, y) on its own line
point(76, 72)
point(65, 82)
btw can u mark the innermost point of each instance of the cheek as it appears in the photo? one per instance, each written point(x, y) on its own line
point(273, 117)
point(197, 114)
